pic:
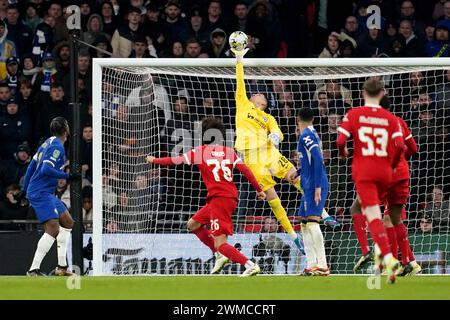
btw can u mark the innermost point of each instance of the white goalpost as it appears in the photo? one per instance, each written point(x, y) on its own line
point(153, 107)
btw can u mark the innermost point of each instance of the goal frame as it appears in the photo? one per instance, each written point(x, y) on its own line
point(99, 63)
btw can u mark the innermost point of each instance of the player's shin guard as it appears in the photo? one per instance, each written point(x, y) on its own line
point(392, 236)
point(379, 236)
point(204, 236)
point(233, 254)
point(43, 246)
point(403, 243)
point(311, 259)
point(359, 227)
point(318, 243)
point(62, 240)
point(281, 216)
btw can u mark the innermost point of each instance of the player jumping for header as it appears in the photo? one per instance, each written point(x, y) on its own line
point(216, 162)
point(257, 139)
point(39, 186)
point(314, 182)
point(378, 147)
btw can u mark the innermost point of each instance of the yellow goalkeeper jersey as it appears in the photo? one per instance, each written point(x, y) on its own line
point(252, 124)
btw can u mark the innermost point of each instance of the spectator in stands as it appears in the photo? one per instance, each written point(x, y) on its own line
point(270, 225)
point(5, 96)
point(182, 119)
point(408, 12)
point(7, 49)
point(397, 47)
point(123, 37)
point(331, 50)
point(337, 94)
point(15, 129)
point(141, 49)
point(215, 19)
point(46, 77)
point(443, 93)
point(43, 38)
point(109, 19)
point(351, 27)
point(84, 72)
point(445, 19)
point(101, 43)
point(94, 29)
point(174, 26)
point(86, 147)
point(153, 27)
point(13, 170)
point(109, 196)
point(53, 106)
point(218, 44)
point(63, 192)
point(176, 50)
point(26, 100)
point(438, 10)
point(32, 18)
point(87, 208)
point(440, 46)
point(439, 210)
point(61, 52)
point(11, 209)
point(18, 32)
point(193, 48)
point(197, 30)
point(85, 12)
point(429, 32)
point(240, 13)
point(29, 69)
point(414, 46)
point(13, 75)
point(426, 223)
point(391, 29)
point(373, 43)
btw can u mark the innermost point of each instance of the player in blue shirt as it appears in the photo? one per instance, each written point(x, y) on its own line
point(314, 183)
point(39, 187)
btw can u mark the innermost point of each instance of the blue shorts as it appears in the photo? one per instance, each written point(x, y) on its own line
point(47, 206)
point(308, 206)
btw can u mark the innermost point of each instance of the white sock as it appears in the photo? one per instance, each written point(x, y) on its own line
point(387, 257)
point(318, 244)
point(62, 240)
point(413, 263)
point(325, 214)
point(293, 235)
point(44, 244)
point(311, 259)
point(249, 264)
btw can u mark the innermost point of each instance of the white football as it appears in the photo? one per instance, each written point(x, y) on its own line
point(238, 40)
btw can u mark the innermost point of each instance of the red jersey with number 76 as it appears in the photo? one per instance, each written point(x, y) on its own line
point(216, 164)
point(378, 142)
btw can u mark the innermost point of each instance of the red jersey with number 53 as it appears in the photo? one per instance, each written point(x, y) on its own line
point(377, 142)
point(216, 164)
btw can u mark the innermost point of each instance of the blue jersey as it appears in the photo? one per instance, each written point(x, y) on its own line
point(312, 170)
point(45, 169)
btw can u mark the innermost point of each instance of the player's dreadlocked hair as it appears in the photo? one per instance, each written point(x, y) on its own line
point(58, 126)
point(213, 131)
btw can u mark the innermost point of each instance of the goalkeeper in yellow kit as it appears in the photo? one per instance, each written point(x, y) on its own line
point(257, 139)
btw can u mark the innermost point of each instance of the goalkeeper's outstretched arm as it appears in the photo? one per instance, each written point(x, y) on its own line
point(241, 94)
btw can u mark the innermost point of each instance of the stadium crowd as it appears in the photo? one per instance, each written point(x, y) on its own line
point(35, 88)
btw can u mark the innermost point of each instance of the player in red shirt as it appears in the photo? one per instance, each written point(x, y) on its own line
point(378, 146)
point(394, 213)
point(216, 164)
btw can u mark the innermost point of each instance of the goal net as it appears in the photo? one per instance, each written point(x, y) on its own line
point(153, 107)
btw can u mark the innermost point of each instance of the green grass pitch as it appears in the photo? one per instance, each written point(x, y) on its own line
point(223, 288)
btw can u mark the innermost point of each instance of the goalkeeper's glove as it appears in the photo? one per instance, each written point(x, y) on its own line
point(239, 54)
point(18, 196)
point(274, 138)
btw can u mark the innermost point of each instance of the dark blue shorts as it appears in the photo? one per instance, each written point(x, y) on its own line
point(47, 206)
point(308, 206)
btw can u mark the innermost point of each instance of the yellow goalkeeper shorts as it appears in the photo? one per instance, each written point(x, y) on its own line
point(267, 163)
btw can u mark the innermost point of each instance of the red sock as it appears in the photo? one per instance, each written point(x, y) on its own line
point(379, 236)
point(403, 243)
point(205, 237)
point(359, 226)
point(232, 253)
point(410, 253)
point(392, 236)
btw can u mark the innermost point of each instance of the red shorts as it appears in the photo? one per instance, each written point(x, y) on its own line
point(398, 193)
point(217, 213)
point(371, 193)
